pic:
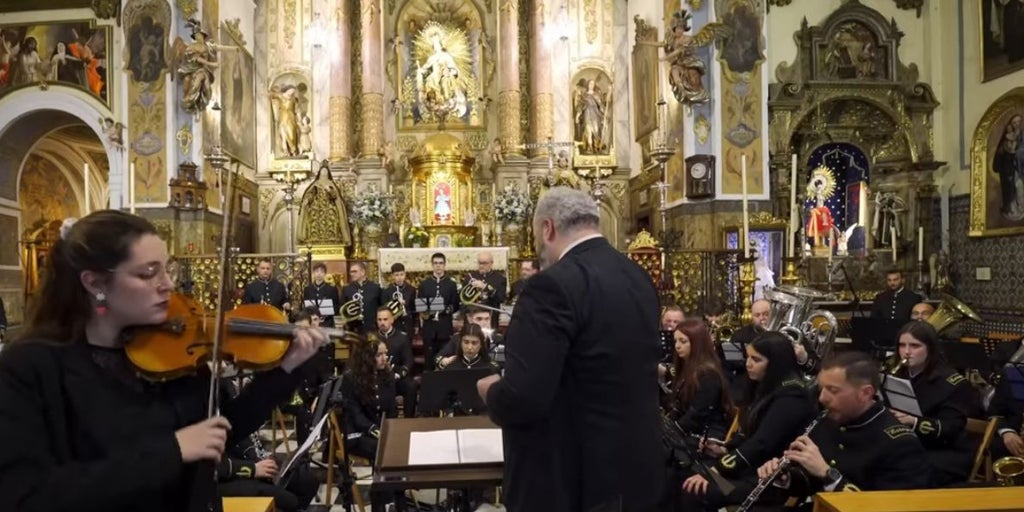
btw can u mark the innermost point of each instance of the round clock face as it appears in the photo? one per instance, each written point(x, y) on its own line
point(698, 171)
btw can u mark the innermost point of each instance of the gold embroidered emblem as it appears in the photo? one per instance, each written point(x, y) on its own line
point(926, 427)
point(897, 431)
point(955, 379)
point(729, 461)
point(851, 488)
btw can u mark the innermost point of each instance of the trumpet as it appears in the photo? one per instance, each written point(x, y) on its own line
point(899, 365)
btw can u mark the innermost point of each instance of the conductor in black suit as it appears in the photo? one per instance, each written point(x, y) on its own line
point(578, 403)
point(897, 302)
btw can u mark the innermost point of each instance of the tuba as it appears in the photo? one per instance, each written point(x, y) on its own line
point(951, 311)
point(791, 315)
point(470, 294)
point(1009, 471)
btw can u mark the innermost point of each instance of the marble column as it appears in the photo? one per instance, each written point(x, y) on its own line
point(508, 77)
point(372, 97)
point(542, 121)
point(341, 86)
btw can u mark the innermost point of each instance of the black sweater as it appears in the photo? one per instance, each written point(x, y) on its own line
point(85, 437)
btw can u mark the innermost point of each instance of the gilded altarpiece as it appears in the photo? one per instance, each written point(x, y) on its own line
point(442, 193)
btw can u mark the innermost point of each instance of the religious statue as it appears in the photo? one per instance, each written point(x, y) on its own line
point(469, 217)
point(196, 62)
point(592, 117)
point(442, 202)
point(441, 86)
point(762, 271)
point(305, 140)
point(888, 209)
point(819, 222)
point(323, 217)
point(114, 131)
point(284, 104)
point(687, 70)
point(939, 267)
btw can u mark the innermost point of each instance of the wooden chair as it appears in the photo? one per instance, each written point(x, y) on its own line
point(735, 426)
point(336, 453)
point(279, 426)
point(981, 469)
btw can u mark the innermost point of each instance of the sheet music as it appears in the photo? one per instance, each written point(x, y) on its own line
point(310, 439)
point(325, 306)
point(437, 447)
point(479, 445)
point(732, 352)
point(430, 305)
point(900, 394)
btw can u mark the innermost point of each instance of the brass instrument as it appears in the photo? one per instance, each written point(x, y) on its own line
point(1009, 471)
point(951, 311)
point(352, 310)
point(469, 294)
point(791, 315)
point(900, 363)
point(397, 304)
point(727, 325)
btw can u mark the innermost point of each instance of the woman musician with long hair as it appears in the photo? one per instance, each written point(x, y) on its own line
point(84, 431)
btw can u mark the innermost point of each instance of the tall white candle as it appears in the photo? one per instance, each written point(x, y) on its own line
point(892, 232)
point(746, 221)
point(85, 173)
point(920, 243)
point(131, 188)
point(794, 209)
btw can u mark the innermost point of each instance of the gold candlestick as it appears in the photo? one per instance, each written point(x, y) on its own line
point(789, 275)
point(746, 289)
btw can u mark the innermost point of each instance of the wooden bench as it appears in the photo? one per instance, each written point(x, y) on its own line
point(979, 499)
point(255, 504)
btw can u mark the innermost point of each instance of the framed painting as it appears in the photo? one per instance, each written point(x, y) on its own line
point(1002, 37)
point(238, 98)
point(645, 79)
point(997, 168)
point(72, 53)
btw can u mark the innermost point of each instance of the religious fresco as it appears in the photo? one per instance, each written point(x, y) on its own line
point(45, 193)
point(237, 96)
point(997, 168)
point(147, 103)
point(147, 56)
point(68, 53)
point(1002, 38)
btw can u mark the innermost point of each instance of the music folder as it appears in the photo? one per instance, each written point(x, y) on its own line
point(303, 449)
point(899, 393)
point(430, 305)
point(324, 306)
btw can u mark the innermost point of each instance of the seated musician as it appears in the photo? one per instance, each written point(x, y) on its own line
point(368, 396)
point(736, 371)
point(779, 408)
point(945, 398)
point(1010, 410)
point(700, 396)
point(249, 469)
point(859, 445)
point(472, 351)
point(400, 348)
point(473, 315)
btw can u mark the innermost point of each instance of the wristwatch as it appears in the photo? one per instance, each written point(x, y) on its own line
point(832, 476)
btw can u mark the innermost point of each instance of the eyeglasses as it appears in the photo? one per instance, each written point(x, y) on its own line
point(437, 262)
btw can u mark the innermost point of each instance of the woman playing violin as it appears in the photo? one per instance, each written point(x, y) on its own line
point(83, 430)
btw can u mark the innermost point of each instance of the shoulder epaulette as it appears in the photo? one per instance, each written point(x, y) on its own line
point(794, 383)
point(955, 379)
point(897, 431)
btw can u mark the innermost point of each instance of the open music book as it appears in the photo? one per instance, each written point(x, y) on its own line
point(900, 395)
point(465, 446)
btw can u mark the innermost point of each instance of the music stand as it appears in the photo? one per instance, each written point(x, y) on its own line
point(874, 335)
point(451, 389)
point(967, 356)
point(430, 305)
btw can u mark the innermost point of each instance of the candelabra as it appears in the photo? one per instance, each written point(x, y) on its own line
point(747, 278)
point(290, 177)
point(789, 275)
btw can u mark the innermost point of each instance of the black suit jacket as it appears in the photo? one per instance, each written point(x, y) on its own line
point(517, 288)
point(579, 400)
point(265, 292)
point(895, 305)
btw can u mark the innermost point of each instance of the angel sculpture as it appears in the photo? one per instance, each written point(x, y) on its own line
point(687, 70)
point(283, 108)
point(114, 131)
point(592, 118)
point(195, 63)
point(495, 152)
point(844, 240)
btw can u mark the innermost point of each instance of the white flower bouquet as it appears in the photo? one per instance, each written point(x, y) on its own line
point(512, 205)
point(372, 207)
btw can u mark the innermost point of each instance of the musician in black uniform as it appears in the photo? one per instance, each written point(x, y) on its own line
point(859, 445)
point(897, 302)
point(367, 291)
point(473, 316)
point(492, 283)
point(368, 395)
point(736, 371)
point(527, 269)
point(472, 351)
point(400, 348)
point(266, 289)
point(1010, 411)
point(780, 409)
point(322, 295)
point(438, 288)
point(946, 400)
point(406, 294)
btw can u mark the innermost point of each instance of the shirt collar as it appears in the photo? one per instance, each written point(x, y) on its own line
point(578, 242)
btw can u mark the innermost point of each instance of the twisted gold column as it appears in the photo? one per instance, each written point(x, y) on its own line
point(508, 85)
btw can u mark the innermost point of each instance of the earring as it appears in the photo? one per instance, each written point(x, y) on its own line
point(101, 303)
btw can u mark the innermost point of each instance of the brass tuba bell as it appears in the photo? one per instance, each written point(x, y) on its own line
point(470, 294)
point(397, 304)
point(1009, 471)
point(951, 311)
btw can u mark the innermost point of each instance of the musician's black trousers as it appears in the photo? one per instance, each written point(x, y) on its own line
point(293, 497)
point(435, 336)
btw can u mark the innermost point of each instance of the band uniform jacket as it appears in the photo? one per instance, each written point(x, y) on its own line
point(406, 323)
point(372, 299)
point(400, 348)
point(365, 417)
point(578, 404)
point(81, 439)
point(704, 410)
point(895, 305)
point(320, 292)
point(496, 290)
point(432, 290)
point(265, 292)
point(767, 428)
point(874, 452)
point(477, 362)
point(946, 400)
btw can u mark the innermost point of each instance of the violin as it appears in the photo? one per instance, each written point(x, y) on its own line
point(255, 337)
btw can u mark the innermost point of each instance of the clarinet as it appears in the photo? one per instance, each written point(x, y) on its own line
point(783, 466)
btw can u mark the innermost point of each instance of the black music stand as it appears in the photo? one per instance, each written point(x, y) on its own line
point(452, 390)
point(874, 335)
point(964, 356)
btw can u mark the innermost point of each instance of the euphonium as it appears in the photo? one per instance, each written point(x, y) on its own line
point(397, 304)
point(470, 294)
point(1009, 471)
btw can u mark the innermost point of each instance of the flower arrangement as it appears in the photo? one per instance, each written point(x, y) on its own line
point(371, 207)
point(512, 205)
point(416, 236)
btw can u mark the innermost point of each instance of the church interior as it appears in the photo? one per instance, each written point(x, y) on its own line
point(798, 151)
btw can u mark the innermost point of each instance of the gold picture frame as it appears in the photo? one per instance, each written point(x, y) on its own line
point(1000, 40)
point(645, 79)
point(998, 140)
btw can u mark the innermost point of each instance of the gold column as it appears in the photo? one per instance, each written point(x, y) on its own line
point(542, 122)
point(508, 86)
point(341, 127)
point(372, 97)
point(340, 103)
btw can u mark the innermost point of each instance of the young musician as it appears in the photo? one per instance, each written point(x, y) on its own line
point(400, 349)
point(473, 315)
point(779, 409)
point(859, 445)
point(368, 294)
point(472, 351)
point(265, 289)
point(368, 396)
point(700, 395)
point(403, 292)
point(85, 432)
point(492, 284)
point(322, 295)
point(945, 398)
point(437, 289)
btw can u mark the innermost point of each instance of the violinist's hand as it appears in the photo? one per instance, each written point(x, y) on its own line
point(204, 440)
point(305, 342)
